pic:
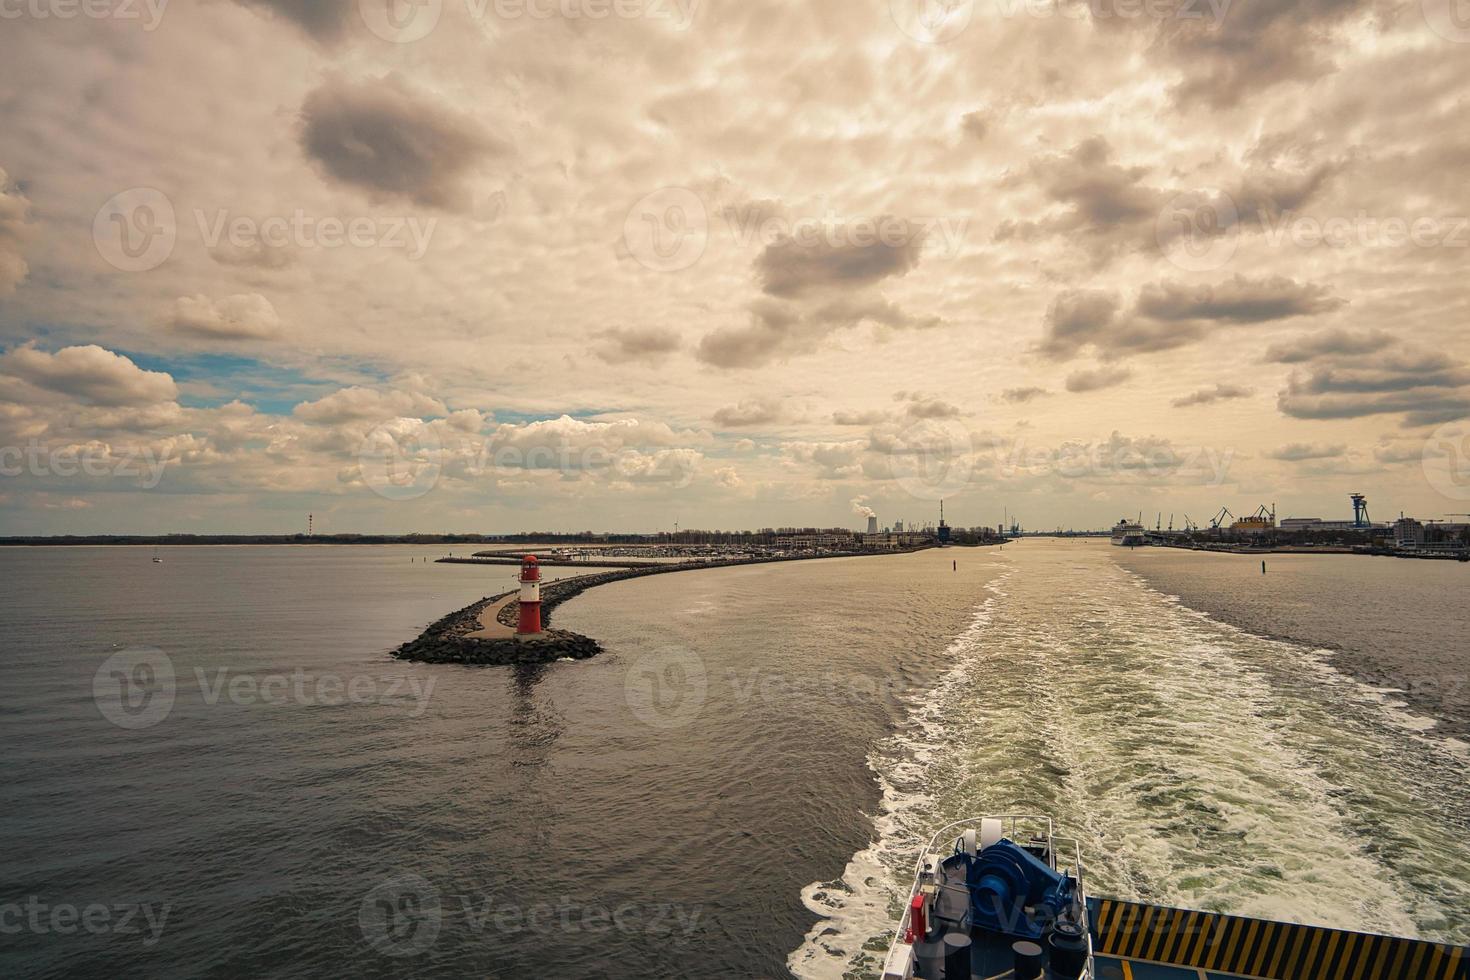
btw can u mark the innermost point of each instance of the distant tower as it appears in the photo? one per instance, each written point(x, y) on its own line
point(1360, 510)
point(530, 621)
point(943, 527)
point(309, 518)
point(873, 524)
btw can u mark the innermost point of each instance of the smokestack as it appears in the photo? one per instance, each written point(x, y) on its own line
point(872, 525)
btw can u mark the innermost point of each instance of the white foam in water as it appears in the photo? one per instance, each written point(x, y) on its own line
point(1200, 766)
point(863, 904)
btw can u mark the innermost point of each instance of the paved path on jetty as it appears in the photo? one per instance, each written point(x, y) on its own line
point(491, 628)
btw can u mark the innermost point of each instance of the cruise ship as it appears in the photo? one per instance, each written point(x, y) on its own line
point(1005, 900)
point(1129, 534)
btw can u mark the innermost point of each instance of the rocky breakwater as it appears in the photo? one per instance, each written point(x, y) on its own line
point(448, 641)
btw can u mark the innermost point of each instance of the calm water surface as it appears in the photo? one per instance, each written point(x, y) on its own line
point(731, 789)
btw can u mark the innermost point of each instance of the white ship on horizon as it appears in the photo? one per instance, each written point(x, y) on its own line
point(1129, 534)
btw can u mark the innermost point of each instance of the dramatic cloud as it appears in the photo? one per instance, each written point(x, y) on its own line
point(776, 331)
point(1208, 396)
point(90, 375)
point(246, 317)
point(1298, 452)
point(1109, 210)
point(1097, 379)
point(1426, 389)
point(1253, 46)
point(369, 405)
point(1237, 300)
point(859, 418)
point(14, 230)
point(325, 21)
point(393, 142)
point(976, 124)
point(1329, 343)
point(1076, 319)
point(624, 345)
point(756, 411)
point(1019, 396)
point(849, 256)
point(922, 407)
point(1169, 315)
point(1104, 207)
point(1146, 195)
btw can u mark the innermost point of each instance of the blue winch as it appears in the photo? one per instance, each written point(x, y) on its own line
point(1014, 893)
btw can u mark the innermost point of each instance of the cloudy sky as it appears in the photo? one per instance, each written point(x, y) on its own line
point(489, 265)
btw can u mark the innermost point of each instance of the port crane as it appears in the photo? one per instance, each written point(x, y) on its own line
point(1219, 518)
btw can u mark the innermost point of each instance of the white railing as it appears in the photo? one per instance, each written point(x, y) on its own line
point(1010, 823)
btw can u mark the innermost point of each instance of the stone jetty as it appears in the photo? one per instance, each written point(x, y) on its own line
point(448, 641)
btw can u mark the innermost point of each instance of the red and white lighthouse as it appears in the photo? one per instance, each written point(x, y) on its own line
point(530, 620)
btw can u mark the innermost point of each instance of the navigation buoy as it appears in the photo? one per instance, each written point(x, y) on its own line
point(530, 621)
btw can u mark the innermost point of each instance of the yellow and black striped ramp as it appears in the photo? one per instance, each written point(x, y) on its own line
point(1211, 943)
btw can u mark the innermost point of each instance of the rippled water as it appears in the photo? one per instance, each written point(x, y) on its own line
point(652, 812)
point(666, 808)
point(1199, 766)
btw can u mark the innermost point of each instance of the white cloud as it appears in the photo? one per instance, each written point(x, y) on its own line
point(248, 316)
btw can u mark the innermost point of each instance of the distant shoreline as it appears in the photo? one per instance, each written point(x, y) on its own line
point(197, 540)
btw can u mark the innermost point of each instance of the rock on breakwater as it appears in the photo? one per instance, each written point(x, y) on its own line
point(449, 640)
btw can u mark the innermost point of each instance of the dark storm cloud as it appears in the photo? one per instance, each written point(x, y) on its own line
point(1109, 210)
point(1208, 396)
point(1253, 46)
point(1425, 389)
point(1077, 318)
point(622, 345)
point(1236, 300)
point(391, 141)
point(976, 124)
point(1105, 203)
point(325, 21)
point(751, 412)
point(851, 256)
point(1019, 396)
point(1169, 315)
point(777, 330)
point(1298, 452)
point(1406, 374)
point(1329, 343)
point(1097, 379)
point(924, 407)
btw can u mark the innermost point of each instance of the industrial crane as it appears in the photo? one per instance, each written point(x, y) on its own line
point(1219, 518)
